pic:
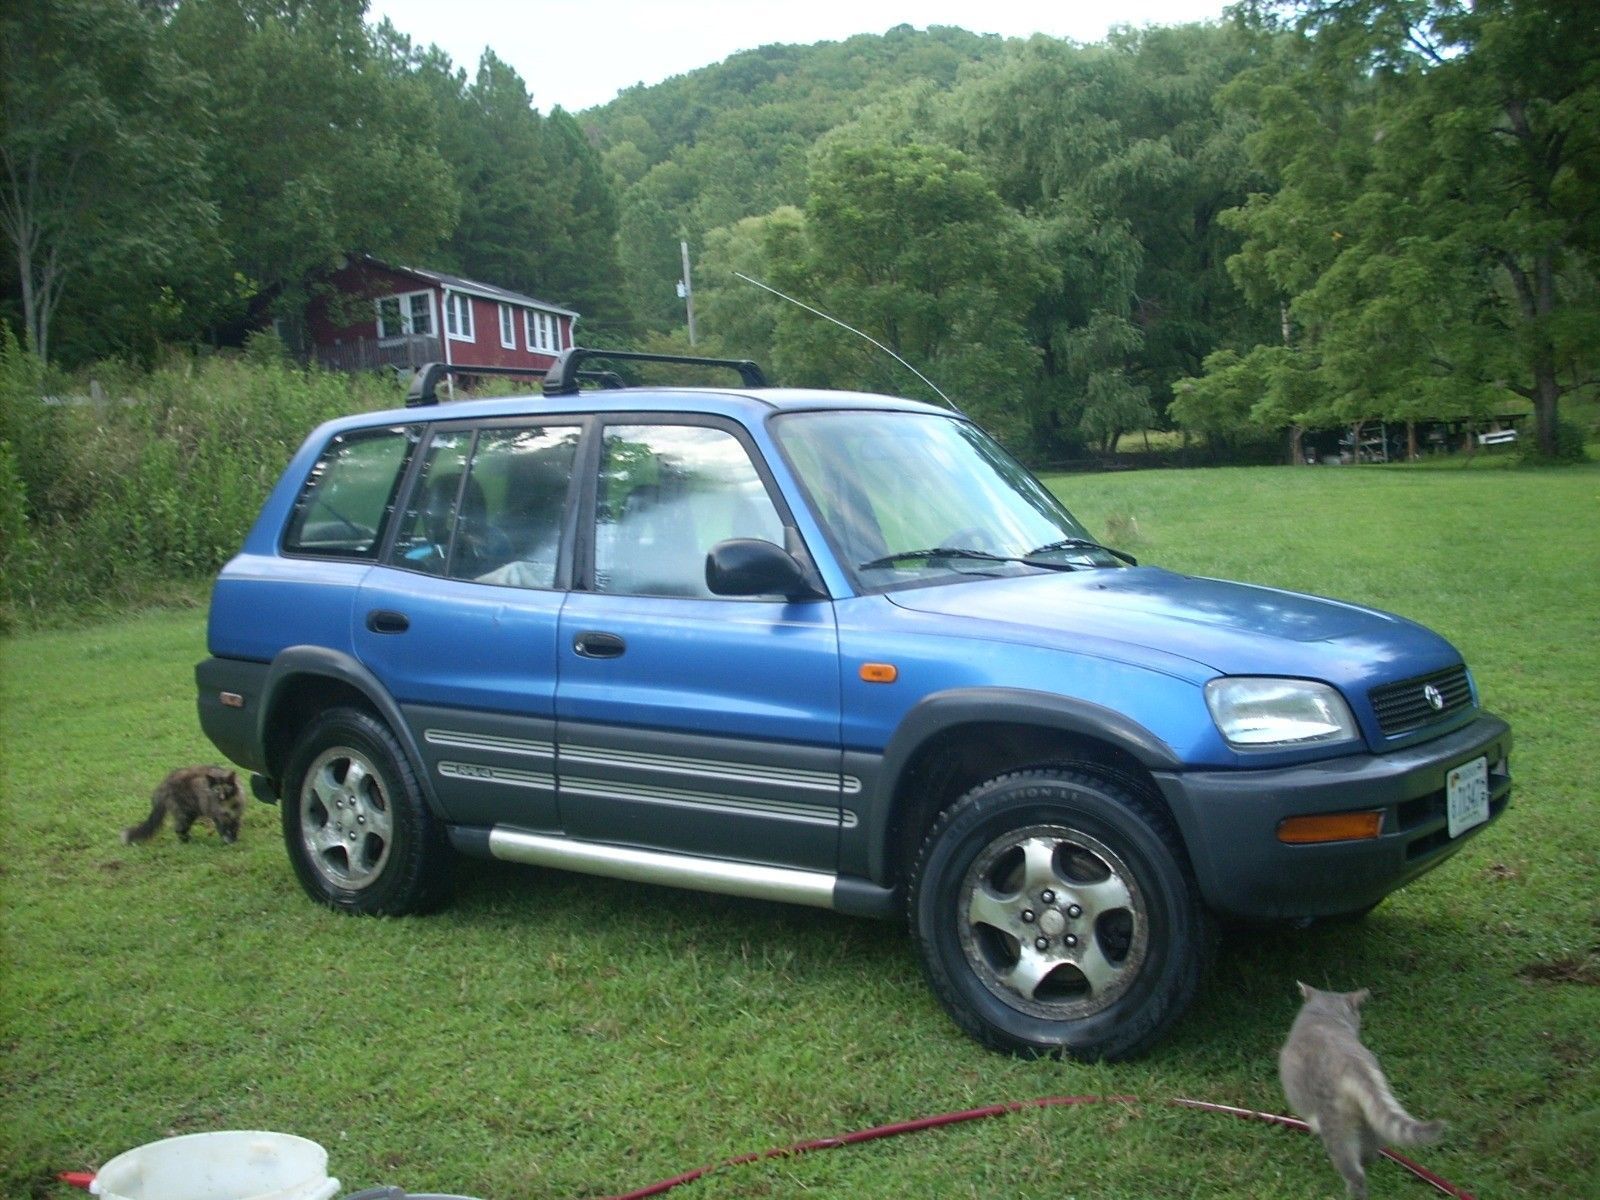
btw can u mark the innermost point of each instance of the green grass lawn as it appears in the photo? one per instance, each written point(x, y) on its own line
point(558, 1036)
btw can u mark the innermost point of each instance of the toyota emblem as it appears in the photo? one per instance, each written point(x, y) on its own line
point(1434, 697)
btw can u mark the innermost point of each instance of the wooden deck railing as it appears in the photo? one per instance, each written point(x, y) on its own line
point(369, 354)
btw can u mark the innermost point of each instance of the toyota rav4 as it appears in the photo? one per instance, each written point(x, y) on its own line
point(828, 648)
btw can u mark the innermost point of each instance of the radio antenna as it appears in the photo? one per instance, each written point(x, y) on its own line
point(858, 333)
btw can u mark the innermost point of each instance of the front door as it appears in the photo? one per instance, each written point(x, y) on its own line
point(691, 722)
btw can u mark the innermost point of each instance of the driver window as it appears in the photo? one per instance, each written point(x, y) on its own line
point(667, 494)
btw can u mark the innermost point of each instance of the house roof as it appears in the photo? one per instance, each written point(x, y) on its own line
point(473, 287)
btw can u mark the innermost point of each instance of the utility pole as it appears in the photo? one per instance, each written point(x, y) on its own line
point(686, 289)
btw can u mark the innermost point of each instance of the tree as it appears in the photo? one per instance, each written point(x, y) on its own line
point(581, 264)
point(102, 191)
point(912, 246)
point(1121, 162)
point(735, 317)
point(317, 148)
point(1268, 388)
point(537, 213)
point(1438, 220)
point(651, 226)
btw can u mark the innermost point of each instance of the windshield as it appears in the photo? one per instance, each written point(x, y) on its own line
point(893, 489)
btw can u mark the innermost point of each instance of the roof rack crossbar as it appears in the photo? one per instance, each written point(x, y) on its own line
point(562, 379)
point(422, 391)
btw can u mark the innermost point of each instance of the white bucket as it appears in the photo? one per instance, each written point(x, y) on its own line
point(233, 1165)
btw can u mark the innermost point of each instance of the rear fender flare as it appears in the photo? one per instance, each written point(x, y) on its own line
point(298, 663)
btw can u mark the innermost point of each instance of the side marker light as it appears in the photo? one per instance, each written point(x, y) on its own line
point(1330, 827)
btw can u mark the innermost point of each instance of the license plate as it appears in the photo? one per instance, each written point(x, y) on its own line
point(1466, 796)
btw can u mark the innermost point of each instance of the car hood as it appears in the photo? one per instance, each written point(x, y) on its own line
point(1231, 628)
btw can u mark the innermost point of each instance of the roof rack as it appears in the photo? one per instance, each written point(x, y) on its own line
point(422, 392)
point(562, 379)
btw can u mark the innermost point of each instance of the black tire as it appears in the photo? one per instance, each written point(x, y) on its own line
point(1055, 913)
point(356, 826)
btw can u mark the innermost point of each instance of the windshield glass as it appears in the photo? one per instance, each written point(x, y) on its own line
point(894, 488)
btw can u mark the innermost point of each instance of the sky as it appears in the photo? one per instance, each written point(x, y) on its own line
point(580, 53)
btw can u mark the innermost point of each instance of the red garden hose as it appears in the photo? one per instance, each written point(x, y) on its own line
point(83, 1179)
point(1000, 1110)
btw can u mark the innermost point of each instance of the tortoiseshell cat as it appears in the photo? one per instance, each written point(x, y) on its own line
point(189, 794)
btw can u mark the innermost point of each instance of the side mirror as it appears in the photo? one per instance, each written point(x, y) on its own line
point(752, 567)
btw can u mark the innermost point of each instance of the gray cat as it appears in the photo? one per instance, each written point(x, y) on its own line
point(189, 794)
point(1334, 1082)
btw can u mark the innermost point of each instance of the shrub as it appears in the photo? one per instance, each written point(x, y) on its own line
point(1570, 446)
point(17, 546)
point(109, 492)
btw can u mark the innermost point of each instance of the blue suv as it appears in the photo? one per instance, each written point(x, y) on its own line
point(828, 648)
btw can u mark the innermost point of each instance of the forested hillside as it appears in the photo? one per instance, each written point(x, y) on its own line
point(1315, 214)
point(703, 150)
point(1033, 224)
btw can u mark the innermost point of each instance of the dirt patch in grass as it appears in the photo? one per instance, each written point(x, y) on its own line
point(1574, 968)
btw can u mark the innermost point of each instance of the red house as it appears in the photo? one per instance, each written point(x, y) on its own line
point(383, 315)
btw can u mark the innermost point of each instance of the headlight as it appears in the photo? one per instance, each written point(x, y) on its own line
point(1256, 714)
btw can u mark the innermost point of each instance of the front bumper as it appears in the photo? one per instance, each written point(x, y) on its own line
point(1229, 821)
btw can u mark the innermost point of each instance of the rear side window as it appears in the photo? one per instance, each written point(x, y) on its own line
point(351, 491)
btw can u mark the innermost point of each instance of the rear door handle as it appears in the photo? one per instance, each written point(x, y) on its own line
point(599, 645)
point(383, 620)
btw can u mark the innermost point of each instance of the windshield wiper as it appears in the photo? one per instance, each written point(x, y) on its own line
point(1078, 543)
point(889, 560)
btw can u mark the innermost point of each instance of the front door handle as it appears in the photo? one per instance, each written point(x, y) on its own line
point(599, 645)
point(383, 620)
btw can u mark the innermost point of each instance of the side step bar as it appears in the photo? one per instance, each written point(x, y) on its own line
point(813, 888)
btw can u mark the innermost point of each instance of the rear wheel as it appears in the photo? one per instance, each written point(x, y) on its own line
point(356, 827)
point(1054, 913)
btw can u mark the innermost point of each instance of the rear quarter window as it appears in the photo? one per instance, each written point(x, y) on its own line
point(348, 497)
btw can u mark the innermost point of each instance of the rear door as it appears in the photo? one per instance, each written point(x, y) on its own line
point(460, 621)
point(689, 722)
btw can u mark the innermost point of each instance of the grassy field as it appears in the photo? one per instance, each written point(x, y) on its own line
point(563, 1037)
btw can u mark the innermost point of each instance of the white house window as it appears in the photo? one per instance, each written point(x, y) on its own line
point(420, 305)
point(410, 313)
point(458, 316)
point(508, 327)
point(543, 331)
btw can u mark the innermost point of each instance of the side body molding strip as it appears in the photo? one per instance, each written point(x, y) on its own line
point(784, 884)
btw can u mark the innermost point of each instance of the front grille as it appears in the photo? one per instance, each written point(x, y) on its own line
point(1404, 706)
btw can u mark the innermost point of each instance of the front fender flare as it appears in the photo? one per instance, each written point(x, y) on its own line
point(942, 711)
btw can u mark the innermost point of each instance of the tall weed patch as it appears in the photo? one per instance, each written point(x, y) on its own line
point(109, 491)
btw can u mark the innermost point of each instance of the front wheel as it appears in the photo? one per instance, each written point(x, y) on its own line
point(356, 826)
point(1054, 913)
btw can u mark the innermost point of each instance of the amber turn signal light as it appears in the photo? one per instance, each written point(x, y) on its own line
point(879, 672)
point(1330, 827)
